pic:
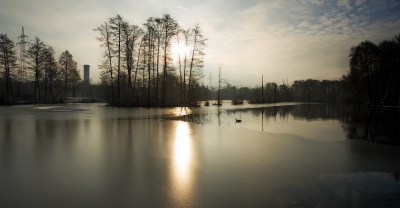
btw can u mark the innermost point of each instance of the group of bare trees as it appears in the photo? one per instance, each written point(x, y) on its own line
point(271, 92)
point(309, 90)
point(374, 73)
point(139, 67)
point(44, 80)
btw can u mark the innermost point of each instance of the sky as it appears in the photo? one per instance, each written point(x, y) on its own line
point(277, 39)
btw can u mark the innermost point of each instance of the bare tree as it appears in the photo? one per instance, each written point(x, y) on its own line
point(131, 37)
point(187, 34)
point(180, 40)
point(75, 79)
point(50, 72)
point(35, 61)
point(137, 64)
point(169, 28)
point(69, 69)
point(158, 35)
point(107, 64)
point(196, 62)
point(8, 59)
point(150, 38)
point(116, 32)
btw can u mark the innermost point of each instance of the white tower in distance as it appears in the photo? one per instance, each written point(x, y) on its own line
point(86, 74)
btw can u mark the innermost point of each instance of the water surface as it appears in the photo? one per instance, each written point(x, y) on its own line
point(89, 155)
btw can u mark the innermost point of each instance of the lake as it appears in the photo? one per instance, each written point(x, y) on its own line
point(279, 155)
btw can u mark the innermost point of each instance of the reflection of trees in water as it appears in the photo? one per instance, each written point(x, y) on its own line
point(302, 112)
point(194, 118)
point(354, 114)
point(373, 125)
point(357, 123)
point(317, 112)
point(274, 112)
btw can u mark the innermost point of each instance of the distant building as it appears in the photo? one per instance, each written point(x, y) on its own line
point(86, 73)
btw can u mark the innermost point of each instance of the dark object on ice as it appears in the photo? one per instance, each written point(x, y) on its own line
point(237, 102)
point(238, 120)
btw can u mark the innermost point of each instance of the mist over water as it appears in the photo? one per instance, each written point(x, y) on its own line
point(288, 155)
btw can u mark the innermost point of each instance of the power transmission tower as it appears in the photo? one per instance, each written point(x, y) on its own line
point(219, 85)
point(21, 43)
point(210, 78)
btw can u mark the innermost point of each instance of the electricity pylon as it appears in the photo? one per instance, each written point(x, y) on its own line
point(210, 78)
point(21, 43)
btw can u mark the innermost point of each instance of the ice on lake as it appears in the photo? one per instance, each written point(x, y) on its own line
point(280, 155)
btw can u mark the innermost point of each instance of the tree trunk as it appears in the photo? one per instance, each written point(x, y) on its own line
point(110, 61)
point(119, 61)
point(158, 61)
point(165, 74)
point(137, 66)
point(66, 79)
point(148, 70)
point(191, 67)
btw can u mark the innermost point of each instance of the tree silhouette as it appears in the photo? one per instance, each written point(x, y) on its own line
point(375, 68)
point(69, 71)
point(169, 28)
point(196, 60)
point(8, 59)
point(35, 60)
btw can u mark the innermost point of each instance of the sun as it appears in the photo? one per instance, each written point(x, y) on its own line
point(178, 49)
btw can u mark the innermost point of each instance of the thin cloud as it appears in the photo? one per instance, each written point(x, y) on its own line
point(344, 4)
point(182, 8)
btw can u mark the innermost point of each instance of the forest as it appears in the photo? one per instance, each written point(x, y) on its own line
point(374, 74)
point(160, 64)
point(373, 78)
point(38, 79)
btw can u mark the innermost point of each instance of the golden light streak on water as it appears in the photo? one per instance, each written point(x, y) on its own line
point(182, 159)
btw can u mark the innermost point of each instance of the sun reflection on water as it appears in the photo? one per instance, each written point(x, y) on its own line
point(181, 111)
point(182, 159)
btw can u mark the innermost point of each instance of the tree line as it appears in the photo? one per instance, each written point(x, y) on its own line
point(373, 77)
point(139, 67)
point(39, 77)
point(374, 74)
point(309, 90)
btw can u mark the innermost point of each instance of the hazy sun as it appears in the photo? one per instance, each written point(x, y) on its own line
point(178, 49)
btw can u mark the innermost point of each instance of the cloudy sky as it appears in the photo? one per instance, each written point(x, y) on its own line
point(283, 39)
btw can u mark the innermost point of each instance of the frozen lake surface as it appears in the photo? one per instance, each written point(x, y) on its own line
point(280, 155)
